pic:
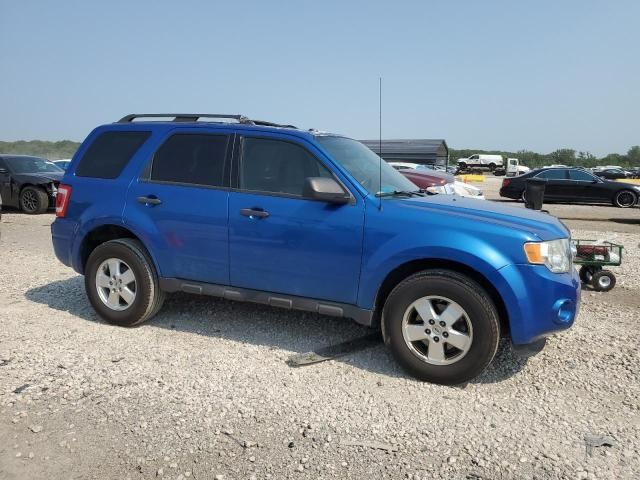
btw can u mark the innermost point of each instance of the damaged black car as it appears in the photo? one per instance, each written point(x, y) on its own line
point(28, 183)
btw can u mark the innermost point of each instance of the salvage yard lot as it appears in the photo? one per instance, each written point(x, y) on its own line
point(204, 390)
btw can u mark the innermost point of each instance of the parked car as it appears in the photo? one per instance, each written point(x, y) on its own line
point(612, 173)
point(292, 218)
point(634, 172)
point(436, 181)
point(481, 160)
point(29, 183)
point(63, 164)
point(574, 185)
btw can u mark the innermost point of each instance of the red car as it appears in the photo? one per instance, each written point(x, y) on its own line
point(427, 178)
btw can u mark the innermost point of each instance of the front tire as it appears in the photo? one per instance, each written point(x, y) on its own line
point(122, 284)
point(625, 199)
point(441, 327)
point(33, 200)
point(603, 281)
point(492, 167)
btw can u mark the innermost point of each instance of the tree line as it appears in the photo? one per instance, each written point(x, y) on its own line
point(563, 156)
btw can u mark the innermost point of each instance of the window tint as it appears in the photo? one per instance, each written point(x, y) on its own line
point(188, 158)
point(555, 174)
point(276, 166)
point(580, 175)
point(109, 154)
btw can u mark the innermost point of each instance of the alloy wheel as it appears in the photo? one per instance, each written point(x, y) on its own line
point(116, 284)
point(437, 330)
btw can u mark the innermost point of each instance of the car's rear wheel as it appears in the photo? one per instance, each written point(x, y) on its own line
point(625, 199)
point(33, 200)
point(441, 326)
point(492, 166)
point(122, 284)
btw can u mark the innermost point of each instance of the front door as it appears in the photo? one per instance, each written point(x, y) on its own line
point(281, 242)
point(180, 202)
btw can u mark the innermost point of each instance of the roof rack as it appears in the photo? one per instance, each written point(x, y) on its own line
point(194, 117)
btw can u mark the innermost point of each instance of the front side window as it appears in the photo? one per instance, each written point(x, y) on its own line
point(580, 175)
point(365, 166)
point(24, 165)
point(109, 153)
point(192, 159)
point(276, 166)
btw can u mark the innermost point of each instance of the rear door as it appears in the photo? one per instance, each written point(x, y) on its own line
point(180, 203)
point(558, 184)
point(290, 244)
point(5, 184)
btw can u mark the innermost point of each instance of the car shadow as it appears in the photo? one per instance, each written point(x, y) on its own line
point(293, 331)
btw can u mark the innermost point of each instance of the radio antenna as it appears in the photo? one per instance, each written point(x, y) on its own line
point(380, 143)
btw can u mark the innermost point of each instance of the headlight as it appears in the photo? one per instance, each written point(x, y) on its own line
point(554, 254)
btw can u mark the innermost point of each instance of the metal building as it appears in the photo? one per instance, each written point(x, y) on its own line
point(425, 151)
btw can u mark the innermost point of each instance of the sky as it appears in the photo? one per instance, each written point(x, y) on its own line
point(506, 75)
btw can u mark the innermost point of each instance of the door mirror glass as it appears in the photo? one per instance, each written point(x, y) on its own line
point(324, 189)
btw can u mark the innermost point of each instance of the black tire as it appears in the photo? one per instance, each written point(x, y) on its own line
point(603, 281)
point(480, 311)
point(523, 196)
point(34, 200)
point(148, 299)
point(586, 273)
point(492, 166)
point(625, 199)
point(462, 166)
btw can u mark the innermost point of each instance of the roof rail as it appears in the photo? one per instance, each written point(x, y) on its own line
point(182, 117)
point(194, 117)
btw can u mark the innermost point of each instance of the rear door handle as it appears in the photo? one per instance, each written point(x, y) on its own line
point(254, 213)
point(151, 200)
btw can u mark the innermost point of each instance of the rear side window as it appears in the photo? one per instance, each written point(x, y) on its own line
point(192, 159)
point(276, 166)
point(109, 154)
point(554, 174)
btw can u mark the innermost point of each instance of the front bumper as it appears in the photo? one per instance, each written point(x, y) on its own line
point(539, 302)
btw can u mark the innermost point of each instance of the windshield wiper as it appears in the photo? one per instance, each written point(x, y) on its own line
point(395, 193)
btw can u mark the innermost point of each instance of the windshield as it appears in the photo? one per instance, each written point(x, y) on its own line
point(364, 166)
point(31, 165)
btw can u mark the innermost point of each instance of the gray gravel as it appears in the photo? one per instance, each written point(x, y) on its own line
point(203, 390)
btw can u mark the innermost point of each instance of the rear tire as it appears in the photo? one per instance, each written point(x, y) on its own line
point(474, 336)
point(603, 281)
point(586, 273)
point(138, 299)
point(492, 167)
point(625, 199)
point(462, 166)
point(34, 200)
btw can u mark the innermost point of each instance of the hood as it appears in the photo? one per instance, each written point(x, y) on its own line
point(424, 179)
point(40, 177)
point(536, 224)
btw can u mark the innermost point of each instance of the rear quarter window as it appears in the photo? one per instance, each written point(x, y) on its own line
point(109, 153)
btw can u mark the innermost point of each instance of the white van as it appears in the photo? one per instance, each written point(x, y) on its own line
point(481, 160)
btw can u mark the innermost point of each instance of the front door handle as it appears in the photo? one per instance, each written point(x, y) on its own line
point(254, 213)
point(150, 200)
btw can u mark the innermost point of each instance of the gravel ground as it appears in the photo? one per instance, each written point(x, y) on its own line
point(204, 391)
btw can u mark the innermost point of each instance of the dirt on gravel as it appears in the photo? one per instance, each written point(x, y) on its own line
point(204, 389)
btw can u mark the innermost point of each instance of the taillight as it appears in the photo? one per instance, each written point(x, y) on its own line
point(62, 200)
point(506, 182)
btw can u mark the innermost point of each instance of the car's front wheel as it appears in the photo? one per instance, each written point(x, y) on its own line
point(33, 200)
point(441, 326)
point(625, 199)
point(122, 284)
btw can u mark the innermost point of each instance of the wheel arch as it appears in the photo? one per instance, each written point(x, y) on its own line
point(407, 269)
point(105, 232)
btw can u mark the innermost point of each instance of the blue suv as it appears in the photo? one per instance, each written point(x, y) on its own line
point(249, 210)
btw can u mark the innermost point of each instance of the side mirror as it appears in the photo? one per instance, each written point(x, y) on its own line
point(324, 189)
